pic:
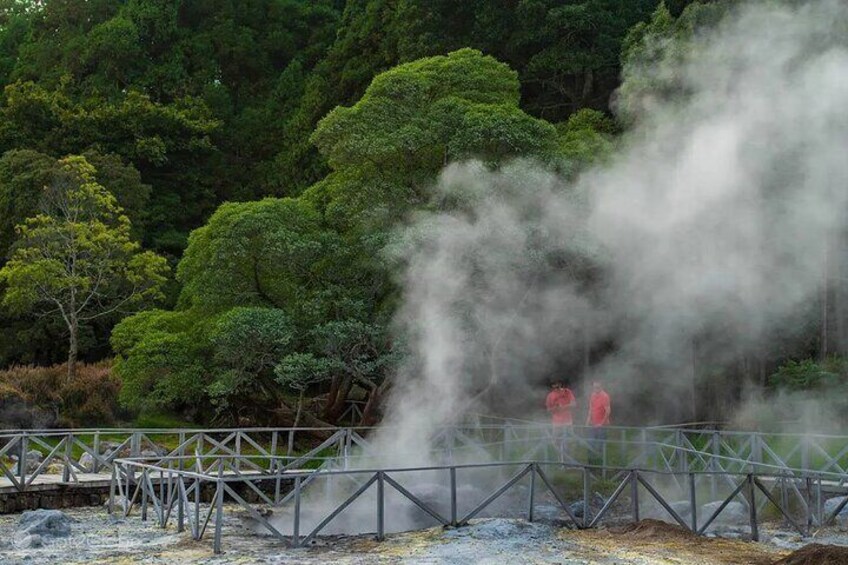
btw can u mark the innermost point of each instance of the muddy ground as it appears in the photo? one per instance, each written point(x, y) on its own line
point(99, 538)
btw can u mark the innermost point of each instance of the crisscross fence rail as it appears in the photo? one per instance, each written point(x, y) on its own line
point(172, 493)
point(84, 455)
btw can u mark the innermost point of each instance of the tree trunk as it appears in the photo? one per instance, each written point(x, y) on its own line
point(369, 413)
point(285, 416)
point(73, 348)
point(335, 384)
point(299, 408)
point(588, 86)
point(336, 405)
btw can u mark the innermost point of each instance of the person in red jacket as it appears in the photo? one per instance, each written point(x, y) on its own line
point(599, 407)
point(559, 403)
point(597, 419)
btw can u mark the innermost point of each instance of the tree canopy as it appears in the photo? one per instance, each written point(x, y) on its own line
point(268, 151)
point(75, 259)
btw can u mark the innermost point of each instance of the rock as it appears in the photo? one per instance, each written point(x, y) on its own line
point(28, 541)
point(108, 448)
point(150, 454)
point(734, 513)
point(45, 523)
point(252, 523)
point(499, 529)
point(87, 462)
point(682, 507)
point(54, 469)
point(830, 506)
point(33, 461)
point(655, 511)
point(576, 508)
point(600, 500)
point(118, 505)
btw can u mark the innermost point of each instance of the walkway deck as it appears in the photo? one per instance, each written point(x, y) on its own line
point(50, 482)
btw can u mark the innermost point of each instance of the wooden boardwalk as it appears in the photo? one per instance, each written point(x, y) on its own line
point(44, 482)
point(47, 482)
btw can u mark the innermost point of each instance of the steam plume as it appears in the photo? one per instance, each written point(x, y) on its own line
point(706, 233)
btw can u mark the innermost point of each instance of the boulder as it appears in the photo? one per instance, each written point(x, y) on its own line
point(683, 508)
point(108, 448)
point(54, 469)
point(150, 454)
point(734, 513)
point(118, 505)
point(45, 523)
point(830, 506)
point(33, 460)
point(28, 541)
point(596, 502)
point(655, 511)
point(576, 508)
point(87, 462)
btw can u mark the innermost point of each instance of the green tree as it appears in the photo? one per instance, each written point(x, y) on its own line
point(24, 173)
point(248, 343)
point(652, 53)
point(75, 259)
point(386, 149)
point(310, 269)
point(165, 143)
point(588, 136)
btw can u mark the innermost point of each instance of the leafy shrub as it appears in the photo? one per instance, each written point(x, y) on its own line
point(32, 396)
point(810, 375)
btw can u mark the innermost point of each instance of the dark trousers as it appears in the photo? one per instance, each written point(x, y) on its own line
point(597, 436)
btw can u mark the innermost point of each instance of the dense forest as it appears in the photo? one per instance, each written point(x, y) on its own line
point(194, 194)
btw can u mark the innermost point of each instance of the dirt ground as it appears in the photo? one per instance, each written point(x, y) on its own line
point(100, 539)
point(656, 542)
point(816, 554)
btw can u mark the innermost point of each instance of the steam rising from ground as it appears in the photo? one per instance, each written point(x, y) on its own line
point(705, 233)
point(701, 238)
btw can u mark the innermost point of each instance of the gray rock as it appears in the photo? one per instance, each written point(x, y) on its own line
point(33, 461)
point(28, 541)
point(596, 502)
point(576, 508)
point(108, 448)
point(45, 523)
point(830, 506)
point(150, 454)
point(654, 510)
point(683, 508)
point(499, 529)
point(734, 513)
point(118, 505)
point(600, 500)
point(87, 462)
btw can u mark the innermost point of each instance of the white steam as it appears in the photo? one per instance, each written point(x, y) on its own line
point(701, 239)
